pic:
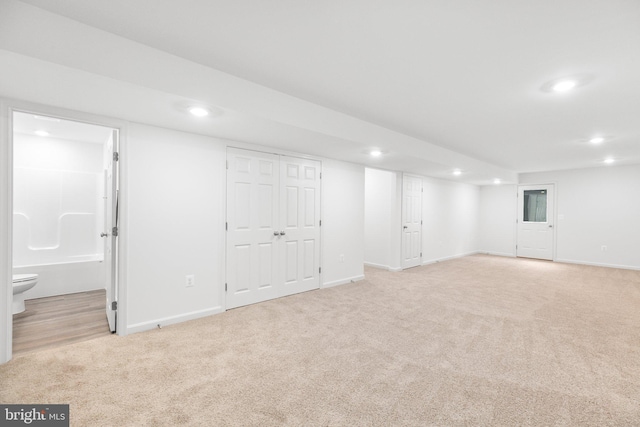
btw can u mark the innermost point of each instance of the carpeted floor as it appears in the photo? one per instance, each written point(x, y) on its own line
point(476, 341)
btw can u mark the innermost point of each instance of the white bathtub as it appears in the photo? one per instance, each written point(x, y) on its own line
point(79, 274)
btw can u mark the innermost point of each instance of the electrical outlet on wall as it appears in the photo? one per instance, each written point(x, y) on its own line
point(342, 258)
point(190, 280)
point(604, 248)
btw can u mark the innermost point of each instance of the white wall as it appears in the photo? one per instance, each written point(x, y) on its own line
point(176, 221)
point(382, 219)
point(450, 215)
point(498, 219)
point(596, 207)
point(342, 222)
point(176, 215)
point(450, 219)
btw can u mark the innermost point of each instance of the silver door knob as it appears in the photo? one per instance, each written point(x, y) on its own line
point(104, 234)
point(275, 233)
point(282, 233)
point(405, 227)
point(550, 226)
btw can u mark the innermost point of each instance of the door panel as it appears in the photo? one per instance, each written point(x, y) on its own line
point(535, 221)
point(301, 202)
point(411, 221)
point(252, 209)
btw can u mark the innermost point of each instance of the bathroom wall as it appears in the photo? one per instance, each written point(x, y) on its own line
point(58, 213)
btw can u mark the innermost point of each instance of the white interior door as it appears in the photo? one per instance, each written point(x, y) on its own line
point(110, 233)
point(411, 221)
point(252, 227)
point(535, 221)
point(273, 226)
point(300, 224)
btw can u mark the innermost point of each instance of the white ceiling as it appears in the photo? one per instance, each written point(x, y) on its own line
point(462, 75)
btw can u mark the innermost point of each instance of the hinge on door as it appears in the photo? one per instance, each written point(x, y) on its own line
point(319, 270)
point(114, 231)
point(420, 222)
point(225, 287)
point(320, 223)
point(227, 162)
point(226, 226)
point(516, 247)
point(116, 156)
point(320, 175)
point(114, 305)
point(420, 254)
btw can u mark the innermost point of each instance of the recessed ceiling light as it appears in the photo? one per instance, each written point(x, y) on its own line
point(597, 140)
point(375, 153)
point(496, 181)
point(41, 133)
point(457, 172)
point(199, 111)
point(609, 160)
point(564, 85)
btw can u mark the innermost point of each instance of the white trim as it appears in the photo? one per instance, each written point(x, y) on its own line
point(433, 261)
point(384, 267)
point(171, 320)
point(598, 264)
point(498, 254)
point(6, 291)
point(342, 281)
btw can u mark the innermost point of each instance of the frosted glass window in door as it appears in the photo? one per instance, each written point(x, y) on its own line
point(535, 206)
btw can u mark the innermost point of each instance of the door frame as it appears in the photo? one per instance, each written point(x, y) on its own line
point(553, 215)
point(7, 107)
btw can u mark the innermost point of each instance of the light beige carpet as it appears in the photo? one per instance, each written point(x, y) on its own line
point(477, 341)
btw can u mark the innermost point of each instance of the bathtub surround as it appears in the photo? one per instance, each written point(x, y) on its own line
point(58, 213)
point(58, 206)
point(65, 278)
point(481, 341)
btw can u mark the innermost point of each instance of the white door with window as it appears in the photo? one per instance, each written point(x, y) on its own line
point(411, 221)
point(535, 221)
point(273, 226)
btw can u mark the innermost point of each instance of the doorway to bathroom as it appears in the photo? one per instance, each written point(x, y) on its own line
point(65, 229)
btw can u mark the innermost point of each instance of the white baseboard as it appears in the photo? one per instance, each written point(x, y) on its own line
point(498, 254)
point(343, 281)
point(433, 261)
point(146, 326)
point(384, 267)
point(598, 264)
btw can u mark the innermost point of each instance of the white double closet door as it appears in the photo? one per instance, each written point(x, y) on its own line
point(273, 226)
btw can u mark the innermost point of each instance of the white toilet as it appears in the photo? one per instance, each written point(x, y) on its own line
point(21, 284)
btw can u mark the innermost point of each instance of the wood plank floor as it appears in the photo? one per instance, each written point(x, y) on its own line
point(59, 320)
